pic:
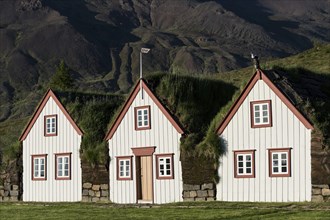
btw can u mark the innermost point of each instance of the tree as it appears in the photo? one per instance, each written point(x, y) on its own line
point(62, 79)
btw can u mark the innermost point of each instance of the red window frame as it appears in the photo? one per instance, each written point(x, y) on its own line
point(271, 151)
point(125, 158)
point(164, 177)
point(236, 166)
point(56, 164)
point(252, 104)
point(45, 166)
point(45, 125)
point(136, 109)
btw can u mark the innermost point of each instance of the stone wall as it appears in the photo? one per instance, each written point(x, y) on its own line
point(95, 192)
point(320, 193)
point(204, 192)
point(9, 192)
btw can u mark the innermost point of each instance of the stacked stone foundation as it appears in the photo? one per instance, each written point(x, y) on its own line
point(320, 193)
point(95, 192)
point(9, 192)
point(204, 192)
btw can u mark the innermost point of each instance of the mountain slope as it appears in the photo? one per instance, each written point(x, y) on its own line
point(100, 40)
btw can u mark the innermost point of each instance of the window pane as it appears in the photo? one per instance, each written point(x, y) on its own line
point(140, 123)
point(36, 173)
point(256, 108)
point(121, 168)
point(275, 156)
point(145, 111)
point(240, 170)
point(264, 107)
point(283, 162)
point(248, 170)
point(240, 164)
point(257, 120)
point(265, 113)
point(145, 123)
point(139, 112)
point(127, 173)
point(60, 160)
point(248, 157)
point(161, 166)
point(284, 169)
point(248, 164)
point(60, 173)
point(121, 173)
point(42, 174)
point(66, 159)
point(140, 118)
point(283, 156)
point(66, 173)
point(275, 163)
point(265, 120)
point(275, 169)
point(257, 114)
point(168, 172)
point(240, 158)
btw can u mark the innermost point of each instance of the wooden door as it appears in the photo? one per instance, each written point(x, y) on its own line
point(146, 178)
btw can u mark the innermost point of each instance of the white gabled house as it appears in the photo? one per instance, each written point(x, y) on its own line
point(51, 158)
point(144, 149)
point(268, 147)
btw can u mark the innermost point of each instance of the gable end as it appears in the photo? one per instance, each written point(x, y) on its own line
point(128, 103)
point(39, 109)
point(259, 75)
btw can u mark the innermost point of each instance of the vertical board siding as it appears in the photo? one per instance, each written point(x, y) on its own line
point(66, 141)
point(163, 136)
point(287, 131)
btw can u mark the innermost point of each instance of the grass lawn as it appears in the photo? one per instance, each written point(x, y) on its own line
point(196, 210)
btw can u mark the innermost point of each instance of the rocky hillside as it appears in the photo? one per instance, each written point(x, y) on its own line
point(100, 40)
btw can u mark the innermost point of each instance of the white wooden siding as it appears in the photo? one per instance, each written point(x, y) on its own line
point(163, 136)
point(66, 141)
point(287, 131)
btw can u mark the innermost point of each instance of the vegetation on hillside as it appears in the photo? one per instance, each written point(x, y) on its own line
point(62, 79)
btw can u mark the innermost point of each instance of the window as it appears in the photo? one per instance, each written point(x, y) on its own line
point(142, 118)
point(261, 114)
point(124, 168)
point(39, 167)
point(280, 162)
point(51, 125)
point(164, 166)
point(63, 166)
point(244, 164)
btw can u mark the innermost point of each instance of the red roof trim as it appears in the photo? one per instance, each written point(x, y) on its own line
point(129, 102)
point(259, 75)
point(39, 109)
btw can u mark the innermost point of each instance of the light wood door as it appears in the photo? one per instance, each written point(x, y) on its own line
point(146, 178)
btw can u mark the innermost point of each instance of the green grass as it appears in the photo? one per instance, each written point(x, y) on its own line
point(196, 210)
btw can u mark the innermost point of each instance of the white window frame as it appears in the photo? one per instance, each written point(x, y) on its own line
point(244, 154)
point(163, 166)
point(50, 125)
point(124, 170)
point(60, 167)
point(37, 167)
point(279, 162)
point(142, 115)
point(261, 113)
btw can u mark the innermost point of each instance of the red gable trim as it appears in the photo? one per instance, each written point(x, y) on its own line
point(39, 109)
point(128, 104)
point(259, 75)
